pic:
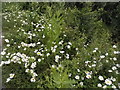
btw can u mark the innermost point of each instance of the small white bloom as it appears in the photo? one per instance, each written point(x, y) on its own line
point(101, 78)
point(53, 66)
point(77, 77)
point(55, 46)
point(57, 58)
point(48, 54)
point(93, 65)
point(102, 56)
point(70, 75)
point(62, 51)
point(114, 46)
point(12, 75)
point(38, 42)
point(67, 56)
point(32, 80)
point(68, 46)
point(3, 53)
point(104, 86)
point(108, 82)
point(38, 53)
point(8, 45)
point(31, 71)
point(88, 76)
point(114, 86)
point(39, 60)
point(27, 70)
point(106, 54)
point(43, 36)
point(118, 65)
point(87, 62)
point(81, 83)
point(69, 43)
point(76, 49)
point(8, 79)
point(114, 58)
point(99, 85)
point(33, 65)
point(19, 46)
point(96, 48)
point(114, 68)
point(6, 40)
point(78, 70)
point(109, 70)
point(116, 52)
point(113, 79)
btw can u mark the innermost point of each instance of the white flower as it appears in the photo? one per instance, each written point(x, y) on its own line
point(50, 25)
point(42, 27)
point(114, 58)
point(114, 86)
point(81, 83)
point(38, 42)
point(68, 46)
point(99, 85)
point(7, 62)
point(69, 43)
point(108, 82)
point(78, 70)
point(39, 60)
point(3, 53)
point(88, 76)
point(19, 46)
point(70, 75)
point(62, 51)
point(67, 56)
point(6, 40)
point(32, 80)
point(104, 86)
point(27, 70)
point(55, 46)
point(38, 53)
point(114, 46)
point(101, 78)
point(93, 65)
point(96, 48)
point(106, 54)
point(48, 54)
point(54, 50)
point(34, 74)
point(102, 56)
point(114, 68)
point(12, 75)
point(116, 52)
point(33, 65)
point(87, 62)
point(113, 79)
point(8, 79)
point(8, 45)
point(2, 63)
point(43, 36)
point(77, 77)
point(76, 48)
point(31, 71)
point(53, 66)
point(57, 58)
point(109, 70)
point(60, 42)
point(118, 65)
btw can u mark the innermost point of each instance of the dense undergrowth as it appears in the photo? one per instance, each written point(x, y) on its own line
point(50, 45)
